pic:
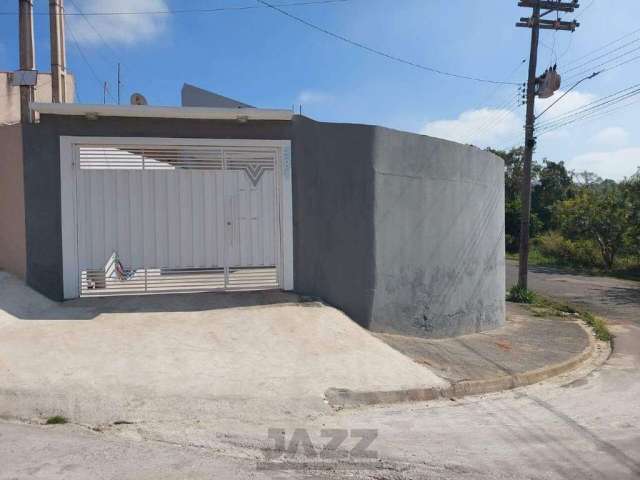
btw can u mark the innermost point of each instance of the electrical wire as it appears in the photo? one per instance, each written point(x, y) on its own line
point(82, 55)
point(97, 32)
point(603, 47)
point(595, 105)
point(592, 116)
point(567, 70)
point(566, 93)
point(380, 52)
point(190, 10)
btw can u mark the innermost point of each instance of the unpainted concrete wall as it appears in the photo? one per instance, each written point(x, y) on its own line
point(12, 226)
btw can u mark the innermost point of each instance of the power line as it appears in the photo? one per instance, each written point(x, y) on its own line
point(602, 56)
point(608, 69)
point(93, 72)
point(190, 10)
point(603, 47)
point(591, 116)
point(97, 32)
point(591, 105)
point(380, 52)
point(595, 105)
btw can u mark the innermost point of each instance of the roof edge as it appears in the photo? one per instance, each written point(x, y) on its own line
point(148, 111)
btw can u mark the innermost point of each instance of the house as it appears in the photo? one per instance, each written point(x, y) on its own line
point(403, 232)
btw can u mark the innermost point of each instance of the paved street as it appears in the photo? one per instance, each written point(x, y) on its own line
point(580, 426)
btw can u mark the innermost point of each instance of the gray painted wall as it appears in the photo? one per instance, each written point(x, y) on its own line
point(439, 223)
point(333, 229)
point(403, 232)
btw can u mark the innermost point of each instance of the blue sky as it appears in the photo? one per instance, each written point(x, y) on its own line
point(264, 58)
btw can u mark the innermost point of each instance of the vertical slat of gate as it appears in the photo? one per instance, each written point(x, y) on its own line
point(110, 214)
point(267, 213)
point(137, 232)
point(149, 219)
point(220, 221)
point(97, 218)
point(83, 221)
point(209, 215)
point(198, 219)
point(173, 211)
point(122, 208)
point(184, 199)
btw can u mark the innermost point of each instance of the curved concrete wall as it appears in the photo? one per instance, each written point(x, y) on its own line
point(404, 232)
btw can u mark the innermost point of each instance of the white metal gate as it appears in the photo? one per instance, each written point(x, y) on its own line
point(178, 216)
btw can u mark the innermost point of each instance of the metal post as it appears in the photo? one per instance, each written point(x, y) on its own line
point(529, 144)
point(58, 60)
point(27, 57)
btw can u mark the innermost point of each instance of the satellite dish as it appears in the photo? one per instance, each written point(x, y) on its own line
point(138, 99)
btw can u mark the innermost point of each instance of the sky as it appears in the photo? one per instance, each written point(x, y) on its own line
point(262, 57)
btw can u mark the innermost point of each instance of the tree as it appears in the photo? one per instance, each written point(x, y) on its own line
point(513, 165)
point(632, 191)
point(554, 185)
point(601, 214)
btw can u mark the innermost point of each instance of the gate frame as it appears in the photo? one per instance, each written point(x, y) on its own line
point(68, 197)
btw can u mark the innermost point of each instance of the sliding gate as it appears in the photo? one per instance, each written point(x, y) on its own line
point(162, 215)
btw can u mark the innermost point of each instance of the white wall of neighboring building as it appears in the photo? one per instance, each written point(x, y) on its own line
point(10, 95)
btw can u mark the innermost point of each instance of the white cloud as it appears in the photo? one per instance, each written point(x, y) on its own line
point(571, 101)
point(611, 137)
point(615, 164)
point(309, 97)
point(116, 29)
point(484, 127)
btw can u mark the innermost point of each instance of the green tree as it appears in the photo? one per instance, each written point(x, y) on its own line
point(632, 191)
point(513, 166)
point(599, 213)
point(554, 185)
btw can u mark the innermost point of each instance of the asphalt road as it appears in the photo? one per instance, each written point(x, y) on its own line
point(586, 429)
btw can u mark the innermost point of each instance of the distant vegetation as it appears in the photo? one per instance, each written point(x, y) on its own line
point(578, 220)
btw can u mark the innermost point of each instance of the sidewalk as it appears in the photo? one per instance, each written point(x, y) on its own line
point(526, 350)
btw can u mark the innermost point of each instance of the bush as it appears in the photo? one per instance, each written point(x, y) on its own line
point(581, 253)
point(518, 294)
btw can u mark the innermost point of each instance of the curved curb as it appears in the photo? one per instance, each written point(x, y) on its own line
point(345, 398)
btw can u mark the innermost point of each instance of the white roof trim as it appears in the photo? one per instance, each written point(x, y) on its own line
point(147, 111)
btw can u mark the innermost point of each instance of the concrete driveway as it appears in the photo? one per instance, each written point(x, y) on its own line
point(187, 356)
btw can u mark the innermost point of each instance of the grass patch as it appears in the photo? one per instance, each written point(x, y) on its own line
point(625, 268)
point(57, 420)
point(545, 307)
point(599, 326)
point(518, 294)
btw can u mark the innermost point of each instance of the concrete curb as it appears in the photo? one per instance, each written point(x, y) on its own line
point(345, 398)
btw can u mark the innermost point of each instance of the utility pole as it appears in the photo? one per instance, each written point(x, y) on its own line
point(58, 52)
point(27, 58)
point(535, 23)
point(118, 83)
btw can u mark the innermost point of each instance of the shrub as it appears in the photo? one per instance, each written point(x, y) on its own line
point(583, 253)
point(518, 294)
point(57, 420)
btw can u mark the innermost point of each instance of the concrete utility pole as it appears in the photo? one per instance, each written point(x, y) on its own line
point(27, 57)
point(58, 52)
point(535, 23)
